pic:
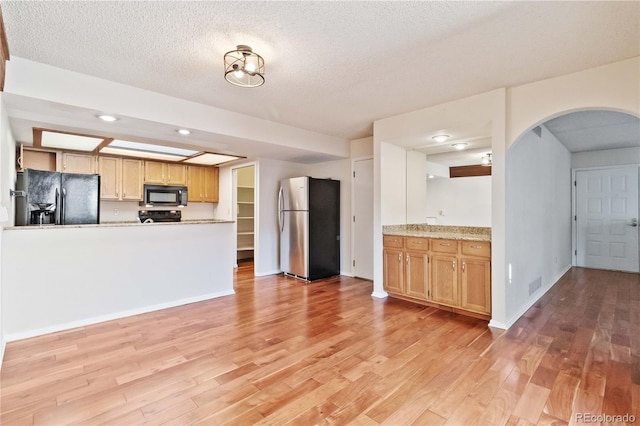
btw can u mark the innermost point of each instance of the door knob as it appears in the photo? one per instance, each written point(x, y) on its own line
point(634, 222)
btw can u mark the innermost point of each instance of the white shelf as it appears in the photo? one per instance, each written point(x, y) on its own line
point(245, 248)
point(245, 217)
point(245, 233)
point(245, 202)
point(245, 187)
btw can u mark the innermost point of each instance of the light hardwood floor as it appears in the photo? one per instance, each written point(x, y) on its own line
point(280, 351)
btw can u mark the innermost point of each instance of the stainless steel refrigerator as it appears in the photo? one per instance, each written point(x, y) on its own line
point(54, 198)
point(309, 220)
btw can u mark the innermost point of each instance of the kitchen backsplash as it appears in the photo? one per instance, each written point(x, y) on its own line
point(123, 211)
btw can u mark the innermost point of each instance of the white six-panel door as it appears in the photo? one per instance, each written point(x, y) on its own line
point(607, 219)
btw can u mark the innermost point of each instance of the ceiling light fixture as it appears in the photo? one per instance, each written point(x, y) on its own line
point(243, 67)
point(184, 132)
point(440, 138)
point(107, 118)
point(430, 176)
point(486, 159)
point(460, 146)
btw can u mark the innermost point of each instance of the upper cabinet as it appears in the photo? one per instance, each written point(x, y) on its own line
point(202, 184)
point(165, 173)
point(78, 163)
point(120, 178)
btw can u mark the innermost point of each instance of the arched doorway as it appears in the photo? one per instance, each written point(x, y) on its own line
point(541, 225)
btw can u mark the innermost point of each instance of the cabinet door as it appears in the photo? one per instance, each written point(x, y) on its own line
point(176, 174)
point(109, 171)
point(417, 274)
point(393, 270)
point(444, 280)
point(475, 285)
point(132, 177)
point(210, 184)
point(154, 172)
point(195, 179)
point(78, 163)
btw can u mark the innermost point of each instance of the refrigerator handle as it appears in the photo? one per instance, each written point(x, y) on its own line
point(280, 212)
point(62, 201)
point(58, 207)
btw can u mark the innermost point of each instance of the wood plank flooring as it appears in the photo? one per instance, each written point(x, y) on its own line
point(281, 351)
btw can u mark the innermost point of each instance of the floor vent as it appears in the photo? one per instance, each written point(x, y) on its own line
point(535, 285)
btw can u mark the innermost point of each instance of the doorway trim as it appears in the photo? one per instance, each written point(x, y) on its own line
point(256, 208)
point(353, 204)
point(574, 203)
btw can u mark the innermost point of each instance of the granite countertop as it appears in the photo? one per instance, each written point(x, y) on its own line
point(470, 233)
point(123, 223)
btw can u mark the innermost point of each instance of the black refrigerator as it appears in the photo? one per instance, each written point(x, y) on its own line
point(309, 221)
point(55, 198)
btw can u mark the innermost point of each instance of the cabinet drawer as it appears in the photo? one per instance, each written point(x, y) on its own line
point(476, 248)
point(414, 243)
point(393, 241)
point(444, 246)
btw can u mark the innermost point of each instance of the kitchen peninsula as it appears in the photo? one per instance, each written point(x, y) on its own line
point(60, 277)
point(448, 267)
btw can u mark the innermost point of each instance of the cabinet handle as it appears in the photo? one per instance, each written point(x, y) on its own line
point(476, 247)
point(463, 266)
point(445, 244)
point(407, 259)
point(399, 257)
point(454, 265)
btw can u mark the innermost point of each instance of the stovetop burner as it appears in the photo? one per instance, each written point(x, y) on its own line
point(150, 216)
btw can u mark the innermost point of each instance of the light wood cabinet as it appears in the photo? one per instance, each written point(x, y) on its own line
point(132, 179)
point(202, 184)
point(438, 272)
point(475, 276)
point(120, 178)
point(393, 270)
point(165, 173)
point(78, 163)
point(36, 159)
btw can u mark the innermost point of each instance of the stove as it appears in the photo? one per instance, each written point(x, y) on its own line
point(150, 216)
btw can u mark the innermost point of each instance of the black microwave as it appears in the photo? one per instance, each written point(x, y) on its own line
point(164, 195)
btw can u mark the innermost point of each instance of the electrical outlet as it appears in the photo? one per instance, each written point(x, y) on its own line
point(116, 212)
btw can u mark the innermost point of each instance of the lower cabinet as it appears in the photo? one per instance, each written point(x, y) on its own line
point(445, 273)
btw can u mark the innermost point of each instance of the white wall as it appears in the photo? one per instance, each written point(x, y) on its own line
point(538, 217)
point(609, 157)
point(149, 267)
point(464, 201)
point(7, 182)
point(416, 187)
point(393, 185)
point(362, 147)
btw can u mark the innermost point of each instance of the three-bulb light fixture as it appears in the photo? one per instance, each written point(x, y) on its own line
point(243, 67)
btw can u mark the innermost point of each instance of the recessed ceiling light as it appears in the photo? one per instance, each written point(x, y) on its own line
point(107, 118)
point(460, 146)
point(440, 138)
point(184, 132)
point(430, 176)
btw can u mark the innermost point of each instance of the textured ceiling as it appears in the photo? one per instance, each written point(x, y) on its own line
point(332, 67)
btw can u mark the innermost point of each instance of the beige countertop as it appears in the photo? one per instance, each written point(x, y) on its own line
point(468, 233)
point(119, 224)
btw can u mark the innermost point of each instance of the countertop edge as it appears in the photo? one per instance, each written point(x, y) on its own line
point(122, 224)
point(441, 236)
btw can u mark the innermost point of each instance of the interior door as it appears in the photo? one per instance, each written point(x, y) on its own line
point(607, 219)
point(363, 219)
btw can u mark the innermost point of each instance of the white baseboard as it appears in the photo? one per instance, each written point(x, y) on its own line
point(113, 316)
point(264, 274)
point(532, 301)
point(379, 294)
point(347, 274)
